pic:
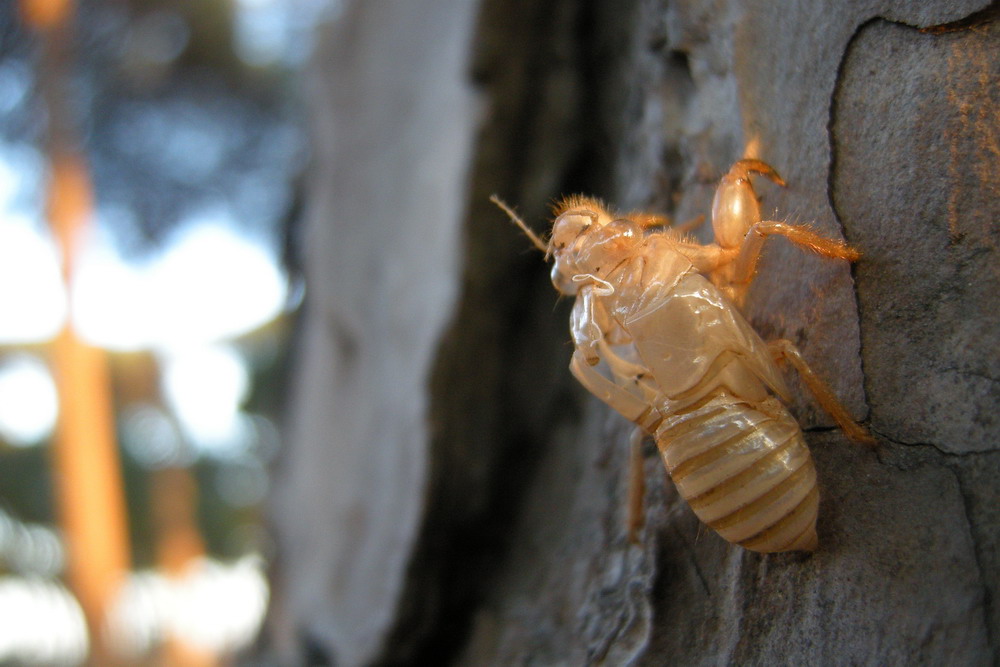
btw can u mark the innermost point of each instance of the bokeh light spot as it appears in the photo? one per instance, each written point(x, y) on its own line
point(29, 402)
point(205, 387)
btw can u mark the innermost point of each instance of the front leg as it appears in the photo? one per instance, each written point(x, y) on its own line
point(628, 394)
point(596, 334)
point(589, 323)
point(623, 384)
point(740, 232)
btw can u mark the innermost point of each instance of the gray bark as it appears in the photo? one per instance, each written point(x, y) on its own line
point(448, 495)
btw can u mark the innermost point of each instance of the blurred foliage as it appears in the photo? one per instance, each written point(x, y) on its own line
point(174, 124)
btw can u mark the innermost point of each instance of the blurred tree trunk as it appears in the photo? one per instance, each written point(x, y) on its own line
point(448, 495)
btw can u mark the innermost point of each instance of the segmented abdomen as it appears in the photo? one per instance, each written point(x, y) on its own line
point(745, 471)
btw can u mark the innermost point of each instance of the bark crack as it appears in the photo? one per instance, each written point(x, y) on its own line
point(936, 448)
point(987, 606)
point(974, 20)
point(970, 373)
point(832, 110)
point(697, 570)
point(955, 463)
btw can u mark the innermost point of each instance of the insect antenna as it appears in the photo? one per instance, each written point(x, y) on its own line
point(520, 223)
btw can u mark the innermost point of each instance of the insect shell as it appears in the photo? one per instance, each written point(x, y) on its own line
point(658, 336)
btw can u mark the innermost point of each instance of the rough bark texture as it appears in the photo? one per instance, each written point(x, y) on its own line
point(448, 495)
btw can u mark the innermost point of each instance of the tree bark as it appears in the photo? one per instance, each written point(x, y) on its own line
point(448, 495)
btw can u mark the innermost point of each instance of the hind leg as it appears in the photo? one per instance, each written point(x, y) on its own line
point(636, 486)
point(785, 350)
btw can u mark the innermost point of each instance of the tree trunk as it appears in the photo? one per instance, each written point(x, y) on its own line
point(449, 495)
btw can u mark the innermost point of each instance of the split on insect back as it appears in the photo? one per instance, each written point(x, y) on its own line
point(659, 336)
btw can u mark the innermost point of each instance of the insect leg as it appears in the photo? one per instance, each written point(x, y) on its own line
point(743, 169)
point(624, 386)
point(622, 383)
point(689, 225)
point(753, 243)
point(626, 390)
point(635, 379)
point(636, 486)
point(590, 324)
point(784, 350)
point(647, 220)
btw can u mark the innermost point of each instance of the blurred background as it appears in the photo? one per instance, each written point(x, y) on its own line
point(149, 155)
point(443, 491)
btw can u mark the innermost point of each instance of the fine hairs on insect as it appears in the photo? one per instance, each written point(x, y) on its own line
point(659, 336)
